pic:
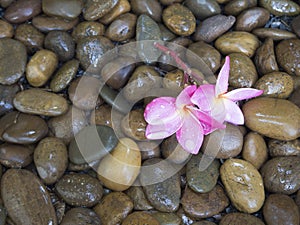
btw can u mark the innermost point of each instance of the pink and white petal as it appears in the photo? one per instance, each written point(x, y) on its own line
point(204, 96)
point(160, 131)
point(222, 80)
point(218, 111)
point(184, 98)
point(190, 135)
point(234, 113)
point(242, 93)
point(160, 109)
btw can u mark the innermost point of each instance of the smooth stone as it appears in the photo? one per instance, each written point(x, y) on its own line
point(123, 6)
point(31, 37)
point(83, 92)
point(243, 184)
point(265, 59)
point(3, 215)
point(174, 80)
point(61, 43)
point(240, 218)
point(213, 27)
point(276, 85)
point(117, 72)
point(255, 149)
point(284, 148)
point(202, 181)
point(242, 71)
point(281, 209)
point(268, 116)
point(198, 206)
point(124, 161)
point(282, 174)
point(65, 74)
point(81, 216)
point(204, 222)
point(87, 29)
point(134, 125)
point(235, 7)
point(149, 149)
point(6, 3)
point(94, 142)
point(26, 199)
point(68, 124)
point(287, 52)
point(13, 60)
point(281, 7)
point(237, 42)
point(252, 18)
point(166, 218)
point(113, 208)
point(6, 29)
point(79, 189)
point(15, 156)
point(40, 102)
point(230, 145)
point(295, 96)
point(20, 128)
point(179, 19)
point(147, 30)
point(7, 94)
point(166, 34)
point(40, 67)
point(62, 8)
point(173, 151)
point(274, 33)
point(151, 8)
point(23, 10)
point(51, 159)
point(207, 53)
point(137, 195)
point(296, 25)
point(164, 196)
point(94, 10)
point(140, 218)
point(122, 28)
point(169, 2)
point(90, 49)
point(48, 23)
point(203, 9)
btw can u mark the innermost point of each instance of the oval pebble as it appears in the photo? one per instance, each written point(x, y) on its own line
point(240, 218)
point(62, 8)
point(281, 7)
point(15, 156)
point(140, 218)
point(81, 216)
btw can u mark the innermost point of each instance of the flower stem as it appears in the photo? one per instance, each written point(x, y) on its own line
point(182, 65)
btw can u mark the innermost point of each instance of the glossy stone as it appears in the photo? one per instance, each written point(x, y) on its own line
point(40, 102)
point(139, 199)
point(203, 9)
point(151, 8)
point(149, 149)
point(281, 7)
point(167, 218)
point(296, 25)
point(240, 218)
point(6, 29)
point(15, 156)
point(140, 218)
point(87, 29)
point(123, 6)
point(235, 7)
point(94, 10)
point(65, 9)
point(274, 33)
point(7, 94)
point(284, 148)
point(48, 23)
point(80, 216)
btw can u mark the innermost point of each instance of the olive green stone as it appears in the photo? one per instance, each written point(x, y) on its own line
point(203, 9)
point(167, 218)
point(281, 7)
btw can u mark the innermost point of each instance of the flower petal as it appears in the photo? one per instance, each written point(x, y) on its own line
point(184, 98)
point(222, 80)
point(190, 135)
point(234, 114)
point(242, 93)
point(160, 109)
point(204, 96)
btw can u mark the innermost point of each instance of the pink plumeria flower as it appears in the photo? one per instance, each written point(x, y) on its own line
point(167, 115)
point(220, 104)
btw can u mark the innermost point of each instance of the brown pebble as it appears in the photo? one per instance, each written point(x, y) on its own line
point(151, 8)
point(296, 25)
point(140, 218)
point(87, 29)
point(6, 29)
point(274, 33)
point(94, 10)
point(15, 156)
point(240, 218)
point(284, 148)
point(123, 6)
point(67, 9)
point(235, 7)
point(47, 23)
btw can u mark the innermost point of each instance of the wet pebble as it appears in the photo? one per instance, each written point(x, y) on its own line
point(23, 10)
point(20, 128)
point(65, 9)
point(152, 8)
point(235, 7)
point(6, 29)
point(295, 96)
point(197, 205)
point(51, 159)
point(61, 43)
point(202, 181)
point(48, 23)
point(296, 25)
point(149, 149)
point(274, 33)
point(113, 208)
point(240, 218)
point(40, 102)
point(281, 209)
point(7, 94)
point(140, 218)
point(213, 27)
point(243, 184)
point(287, 52)
point(80, 216)
point(276, 84)
point(167, 218)
point(179, 19)
point(203, 9)
point(281, 7)
point(268, 116)
point(13, 60)
point(282, 174)
point(94, 10)
point(237, 42)
point(15, 156)
point(26, 199)
point(174, 80)
point(284, 148)
point(139, 199)
point(79, 189)
point(123, 6)
point(87, 29)
point(166, 34)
